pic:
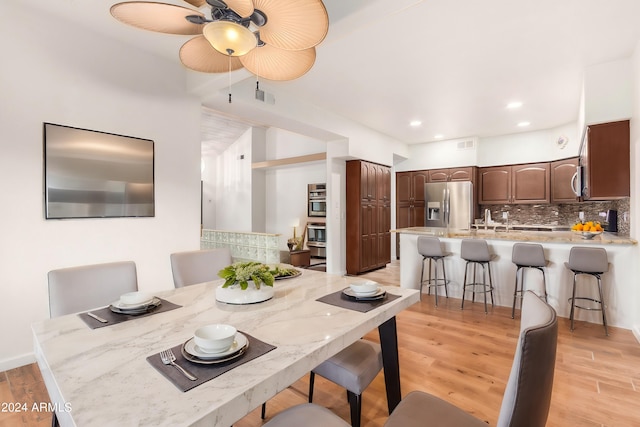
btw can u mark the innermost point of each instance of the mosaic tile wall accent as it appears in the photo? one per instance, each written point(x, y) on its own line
point(562, 214)
point(259, 247)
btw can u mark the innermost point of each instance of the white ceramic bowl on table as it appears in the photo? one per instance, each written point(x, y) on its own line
point(214, 338)
point(135, 298)
point(365, 287)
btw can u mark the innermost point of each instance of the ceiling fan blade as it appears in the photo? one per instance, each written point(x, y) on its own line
point(293, 25)
point(244, 8)
point(198, 55)
point(272, 63)
point(196, 3)
point(160, 17)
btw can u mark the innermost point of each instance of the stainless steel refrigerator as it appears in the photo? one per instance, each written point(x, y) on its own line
point(449, 205)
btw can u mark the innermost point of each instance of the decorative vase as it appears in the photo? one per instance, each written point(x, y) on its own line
point(234, 294)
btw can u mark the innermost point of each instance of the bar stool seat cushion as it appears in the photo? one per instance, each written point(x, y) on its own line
point(475, 250)
point(354, 367)
point(588, 260)
point(528, 255)
point(430, 247)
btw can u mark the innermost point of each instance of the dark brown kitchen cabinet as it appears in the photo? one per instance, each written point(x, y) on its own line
point(452, 174)
point(495, 185)
point(530, 183)
point(368, 216)
point(563, 179)
point(410, 204)
point(605, 158)
point(526, 183)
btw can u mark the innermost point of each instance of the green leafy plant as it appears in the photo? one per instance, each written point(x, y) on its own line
point(242, 272)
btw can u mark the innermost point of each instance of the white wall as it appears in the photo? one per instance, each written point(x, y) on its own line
point(529, 147)
point(525, 147)
point(635, 177)
point(439, 154)
point(608, 94)
point(233, 180)
point(74, 77)
point(286, 187)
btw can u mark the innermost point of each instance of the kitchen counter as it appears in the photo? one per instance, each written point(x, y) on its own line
point(521, 227)
point(620, 284)
point(521, 236)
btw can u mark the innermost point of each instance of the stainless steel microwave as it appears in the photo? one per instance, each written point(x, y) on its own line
point(317, 208)
point(317, 197)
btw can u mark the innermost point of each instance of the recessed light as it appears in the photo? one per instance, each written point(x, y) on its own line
point(438, 136)
point(523, 124)
point(415, 123)
point(514, 104)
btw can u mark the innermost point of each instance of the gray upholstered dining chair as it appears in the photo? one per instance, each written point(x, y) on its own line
point(526, 399)
point(85, 287)
point(354, 368)
point(199, 266)
point(76, 289)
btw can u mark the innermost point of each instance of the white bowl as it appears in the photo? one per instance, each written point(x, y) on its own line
point(365, 287)
point(133, 298)
point(214, 338)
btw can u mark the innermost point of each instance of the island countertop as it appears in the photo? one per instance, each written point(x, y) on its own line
point(521, 236)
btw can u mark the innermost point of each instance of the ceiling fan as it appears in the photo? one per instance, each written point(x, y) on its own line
point(274, 39)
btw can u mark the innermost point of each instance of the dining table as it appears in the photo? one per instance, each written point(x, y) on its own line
point(111, 375)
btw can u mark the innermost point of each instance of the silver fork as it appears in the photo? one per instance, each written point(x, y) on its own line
point(168, 358)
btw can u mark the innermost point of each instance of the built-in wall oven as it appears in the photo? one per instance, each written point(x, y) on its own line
point(317, 239)
point(317, 197)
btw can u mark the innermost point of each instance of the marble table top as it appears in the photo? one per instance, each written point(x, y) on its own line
point(100, 377)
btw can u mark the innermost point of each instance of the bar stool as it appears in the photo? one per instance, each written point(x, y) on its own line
point(430, 248)
point(476, 253)
point(593, 262)
point(527, 255)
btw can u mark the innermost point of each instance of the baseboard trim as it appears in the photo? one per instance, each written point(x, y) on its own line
point(636, 332)
point(16, 362)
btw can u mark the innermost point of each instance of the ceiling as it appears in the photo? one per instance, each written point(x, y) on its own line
point(454, 65)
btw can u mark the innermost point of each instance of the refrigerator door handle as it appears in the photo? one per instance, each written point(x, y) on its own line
point(446, 194)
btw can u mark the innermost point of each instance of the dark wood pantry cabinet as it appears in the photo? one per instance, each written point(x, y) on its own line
point(368, 216)
point(410, 204)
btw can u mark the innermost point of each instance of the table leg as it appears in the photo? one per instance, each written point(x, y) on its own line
point(390, 362)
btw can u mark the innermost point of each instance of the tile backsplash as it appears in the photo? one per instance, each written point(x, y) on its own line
point(562, 214)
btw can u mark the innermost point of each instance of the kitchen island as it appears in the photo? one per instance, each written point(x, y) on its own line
point(619, 284)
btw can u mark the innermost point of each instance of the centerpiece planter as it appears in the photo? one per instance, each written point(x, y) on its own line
point(245, 283)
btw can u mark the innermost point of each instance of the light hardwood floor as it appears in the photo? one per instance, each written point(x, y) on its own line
point(463, 357)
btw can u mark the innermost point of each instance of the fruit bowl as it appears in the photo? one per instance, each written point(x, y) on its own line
point(587, 234)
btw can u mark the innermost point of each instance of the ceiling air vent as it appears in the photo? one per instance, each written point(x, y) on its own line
point(466, 145)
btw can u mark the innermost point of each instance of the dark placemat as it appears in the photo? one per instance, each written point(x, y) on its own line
point(341, 300)
point(115, 318)
point(205, 373)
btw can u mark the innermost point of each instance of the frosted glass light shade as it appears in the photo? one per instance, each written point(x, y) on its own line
point(230, 38)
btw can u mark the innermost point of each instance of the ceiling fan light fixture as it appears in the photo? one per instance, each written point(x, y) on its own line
point(230, 38)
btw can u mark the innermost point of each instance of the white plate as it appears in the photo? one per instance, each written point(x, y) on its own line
point(369, 296)
point(240, 343)
point(122, 306)
point(199, 361)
